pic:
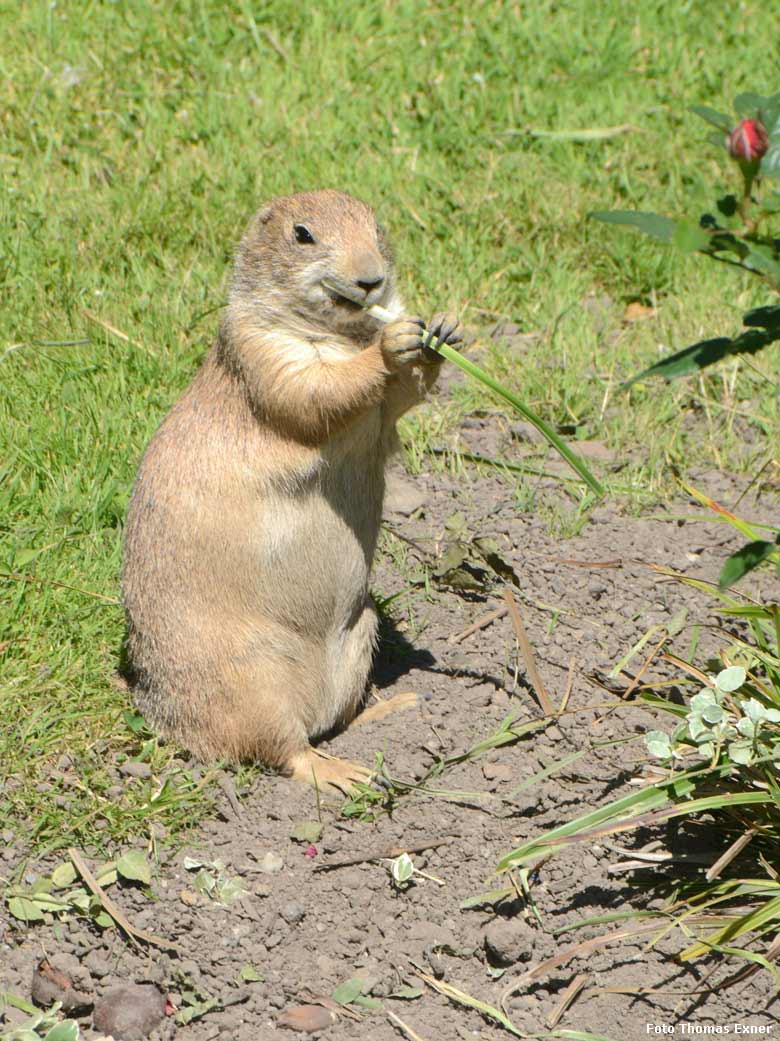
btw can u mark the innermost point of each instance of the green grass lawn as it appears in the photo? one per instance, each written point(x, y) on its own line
point(135, 142)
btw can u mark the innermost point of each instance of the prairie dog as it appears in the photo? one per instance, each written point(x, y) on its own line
point(255, 513)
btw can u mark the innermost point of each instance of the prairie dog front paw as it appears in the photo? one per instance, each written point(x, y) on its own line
point(444, 328)
point(402, 343)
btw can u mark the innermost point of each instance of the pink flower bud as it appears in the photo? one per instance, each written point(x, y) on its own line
point(310, 851)
point(748, 141)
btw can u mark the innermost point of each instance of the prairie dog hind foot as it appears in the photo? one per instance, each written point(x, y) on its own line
point(326, 772)
point(386, 707)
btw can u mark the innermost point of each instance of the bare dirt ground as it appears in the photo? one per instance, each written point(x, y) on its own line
point(585, 600)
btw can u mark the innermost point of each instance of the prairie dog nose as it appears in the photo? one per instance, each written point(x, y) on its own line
point(368, 271)
point(369, 284)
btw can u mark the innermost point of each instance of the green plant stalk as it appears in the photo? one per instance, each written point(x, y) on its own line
point(558, 444)
point(469, 367)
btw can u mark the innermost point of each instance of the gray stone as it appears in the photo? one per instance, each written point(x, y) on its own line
point(98, 964)
point(293, 912)
point(130, 1011)
point(136, 770)
point(508, 940)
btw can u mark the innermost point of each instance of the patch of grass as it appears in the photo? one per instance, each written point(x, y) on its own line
point(136, 140)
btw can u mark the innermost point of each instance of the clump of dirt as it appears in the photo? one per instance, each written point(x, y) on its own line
point(322, 909)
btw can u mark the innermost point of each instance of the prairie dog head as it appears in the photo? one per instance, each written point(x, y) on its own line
point(314, 262)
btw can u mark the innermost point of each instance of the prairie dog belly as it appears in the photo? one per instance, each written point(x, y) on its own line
point(312, 551)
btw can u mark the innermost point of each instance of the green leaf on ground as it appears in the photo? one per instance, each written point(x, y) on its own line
point(64, 875)
point(744, 560)
point(407, 994)
point(68, 1030)
point(364, 1001)
point(134, 866)
point(196, 1008)
point(652, 224)
point(346, 992)
point(24, 909)
point(306, 831)
point(250, 974)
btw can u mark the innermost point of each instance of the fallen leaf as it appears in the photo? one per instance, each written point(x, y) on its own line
point(134, 866)
point(306, 831)
point(306, 1018)
point(346, 992)
point(271, 863)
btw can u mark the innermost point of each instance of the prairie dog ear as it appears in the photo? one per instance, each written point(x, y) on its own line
point(264, 215)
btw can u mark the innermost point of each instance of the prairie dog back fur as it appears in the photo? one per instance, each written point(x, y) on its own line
point(255, 513)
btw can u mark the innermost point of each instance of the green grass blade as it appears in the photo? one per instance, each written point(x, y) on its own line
point(606, 919)
point(545, 429)
point(541, 775)
point(460, 997)
point(639, 803)
point(747, 923)
point(646, 799)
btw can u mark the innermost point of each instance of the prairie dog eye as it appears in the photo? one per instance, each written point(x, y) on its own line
point(303, 235)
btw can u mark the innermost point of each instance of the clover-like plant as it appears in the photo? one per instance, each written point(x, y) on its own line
point(718, 725)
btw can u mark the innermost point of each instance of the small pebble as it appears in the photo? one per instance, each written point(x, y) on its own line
point(135, 770)
point(293, 912)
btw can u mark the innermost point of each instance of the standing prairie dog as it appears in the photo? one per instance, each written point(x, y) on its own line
point(256, 509)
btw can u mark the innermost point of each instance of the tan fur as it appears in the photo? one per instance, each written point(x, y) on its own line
point(255, 513)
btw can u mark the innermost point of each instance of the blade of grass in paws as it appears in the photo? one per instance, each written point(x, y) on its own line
point(477, 373)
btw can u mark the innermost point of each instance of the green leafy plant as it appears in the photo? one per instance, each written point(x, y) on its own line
point(469, 561)
point(213, 881)
point(62, 893)
point(719, 725)
point(737, 233)
point(41, 1026)
point(401, 870)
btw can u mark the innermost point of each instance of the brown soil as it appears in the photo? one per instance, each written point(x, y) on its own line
point(585, 601)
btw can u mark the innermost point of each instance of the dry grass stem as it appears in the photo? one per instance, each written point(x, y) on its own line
point(481, 623)
point(528, 655)
point(114, 910)
point(403, 1027)
point(568, 996)
point(733, 851)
